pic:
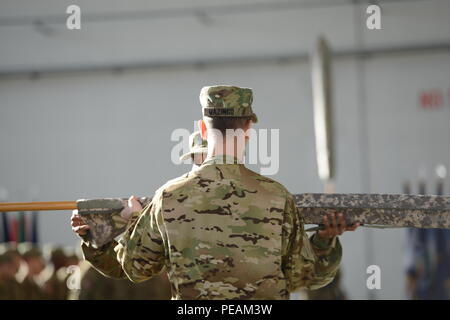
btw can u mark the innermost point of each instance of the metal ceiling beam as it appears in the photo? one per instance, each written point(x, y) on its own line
point(243, 8)
point(217, 62)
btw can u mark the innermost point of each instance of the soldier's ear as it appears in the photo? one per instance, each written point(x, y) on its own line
point(202, 128)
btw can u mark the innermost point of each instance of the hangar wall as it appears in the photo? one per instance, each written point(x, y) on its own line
point(106, 134)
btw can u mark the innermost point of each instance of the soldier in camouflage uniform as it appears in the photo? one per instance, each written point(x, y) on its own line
point(35, 263)
point(15, 290)
point(9, 289)
point(223, 231)
point(55, 287)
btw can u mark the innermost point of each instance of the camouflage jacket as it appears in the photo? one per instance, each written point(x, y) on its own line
point(221, 232)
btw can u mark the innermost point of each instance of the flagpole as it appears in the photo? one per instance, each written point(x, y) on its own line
point(38, 206)
point(5, 227)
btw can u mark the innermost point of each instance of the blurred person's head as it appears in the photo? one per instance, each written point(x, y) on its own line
point(11, 252)
point(16, 259)
point(6, 267)
point(34, 260)
point(73, 255)
point(73, 260)
point(58, 258)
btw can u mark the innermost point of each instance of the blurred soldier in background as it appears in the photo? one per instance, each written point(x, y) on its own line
point(332, 291)
point(73, 259)
point(428, 264)
point(95, 286)
point(11, 250)
point(9, 289)
point(55, 287)
point(16, 263)
point(428, 253)
point(30, 288)
point(5, 275)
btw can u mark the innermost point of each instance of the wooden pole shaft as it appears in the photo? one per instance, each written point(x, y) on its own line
point(37, 206)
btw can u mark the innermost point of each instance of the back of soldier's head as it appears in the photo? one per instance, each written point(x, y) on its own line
point(227, 108)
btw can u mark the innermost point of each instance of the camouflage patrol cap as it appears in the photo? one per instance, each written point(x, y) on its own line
point(196, 145)
point(227, 102)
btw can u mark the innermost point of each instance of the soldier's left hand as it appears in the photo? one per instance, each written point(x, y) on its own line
point(335, 225)
point(133, 206)
point(79, 226)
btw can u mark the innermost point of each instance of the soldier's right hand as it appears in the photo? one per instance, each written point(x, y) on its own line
point(78, 225)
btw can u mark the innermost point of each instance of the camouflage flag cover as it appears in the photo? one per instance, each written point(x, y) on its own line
point(106, 221)
point(390, 210)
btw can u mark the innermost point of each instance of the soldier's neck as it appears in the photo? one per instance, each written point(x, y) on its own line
point(229, 148)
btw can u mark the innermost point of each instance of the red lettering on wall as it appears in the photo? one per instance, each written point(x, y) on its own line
point(431, 99)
